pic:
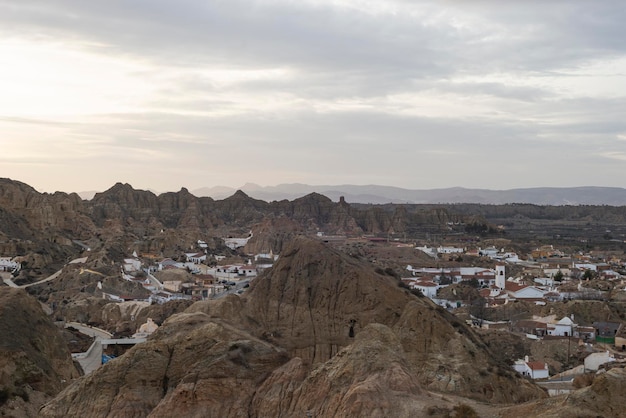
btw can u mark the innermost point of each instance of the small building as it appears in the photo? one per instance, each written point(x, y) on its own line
point(563, 328)
point(132, 265)
point(449, 250)
point(606, 331)
point(427, 287)
point(528, 293)
point(594, 360)
point(7, 264)
point(169, 263)
point(488, 252)
point(531, 369)
point(195, 258)
point(586, 333)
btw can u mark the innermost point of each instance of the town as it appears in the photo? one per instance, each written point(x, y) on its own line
point(510, 293)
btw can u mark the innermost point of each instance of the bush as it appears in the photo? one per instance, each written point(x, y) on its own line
point(464, 411)
point(390, 272)
point(583, 380)
point(438, 411)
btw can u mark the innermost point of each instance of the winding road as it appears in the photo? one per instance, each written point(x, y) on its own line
point(9, 282)
point(92, 359)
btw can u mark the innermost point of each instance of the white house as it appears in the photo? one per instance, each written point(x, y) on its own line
point(563, 328)
point(131, 265)
point(234, 243)
point(428, 288)
point(266, 256)
point(527, 292)
point(6, 264)
point(195, 258)
point(233, 271)
point(168, 262)
point(488, 252)
point(532, 369)
point(449, 250)
point(586, 266)
point(594, 360)
point(544, 281)
point(428, 251)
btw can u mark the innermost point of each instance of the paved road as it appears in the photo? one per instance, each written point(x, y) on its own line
point(79, 260)
point(92, 359)
point(54, 276)
point(9, 282)
point(89, 330)
point(6, 278)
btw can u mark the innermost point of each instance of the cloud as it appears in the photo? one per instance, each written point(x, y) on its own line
point(478, 92)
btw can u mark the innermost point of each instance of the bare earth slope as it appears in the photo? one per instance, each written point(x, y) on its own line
point(606, 397)
point(35, 363)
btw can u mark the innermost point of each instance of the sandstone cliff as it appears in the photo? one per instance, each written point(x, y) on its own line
point(191, 367)
point(370, 378)
point(43, 211)
point(139, 215)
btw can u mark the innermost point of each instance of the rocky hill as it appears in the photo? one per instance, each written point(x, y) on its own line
point(35, 363)
point(315, 298)
point(192, 366)
point(129, 219)
point(321, 331)
point(125, 217)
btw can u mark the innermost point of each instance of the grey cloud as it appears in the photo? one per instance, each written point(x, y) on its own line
point(339, 53)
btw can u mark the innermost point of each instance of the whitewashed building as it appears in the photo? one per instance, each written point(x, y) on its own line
point(7, 264)
point(564, 328)
point(532, 369)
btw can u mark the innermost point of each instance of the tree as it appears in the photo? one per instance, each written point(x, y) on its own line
point(445, 280)
point(588, 274)
point(558, 276)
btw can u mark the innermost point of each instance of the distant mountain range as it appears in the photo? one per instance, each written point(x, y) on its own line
point(556, 196)
point(613, 196)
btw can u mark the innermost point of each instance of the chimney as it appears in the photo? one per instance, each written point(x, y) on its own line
point(526, 359)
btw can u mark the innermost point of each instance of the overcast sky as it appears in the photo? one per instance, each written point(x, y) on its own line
point(408, 93)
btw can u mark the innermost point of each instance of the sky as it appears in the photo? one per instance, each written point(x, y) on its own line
point(408, 93)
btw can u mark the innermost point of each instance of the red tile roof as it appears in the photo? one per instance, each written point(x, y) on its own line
point(536, 365)
point(513, 287)
point(425, 284)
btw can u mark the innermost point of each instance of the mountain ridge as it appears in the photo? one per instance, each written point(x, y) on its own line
point(377, 194)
